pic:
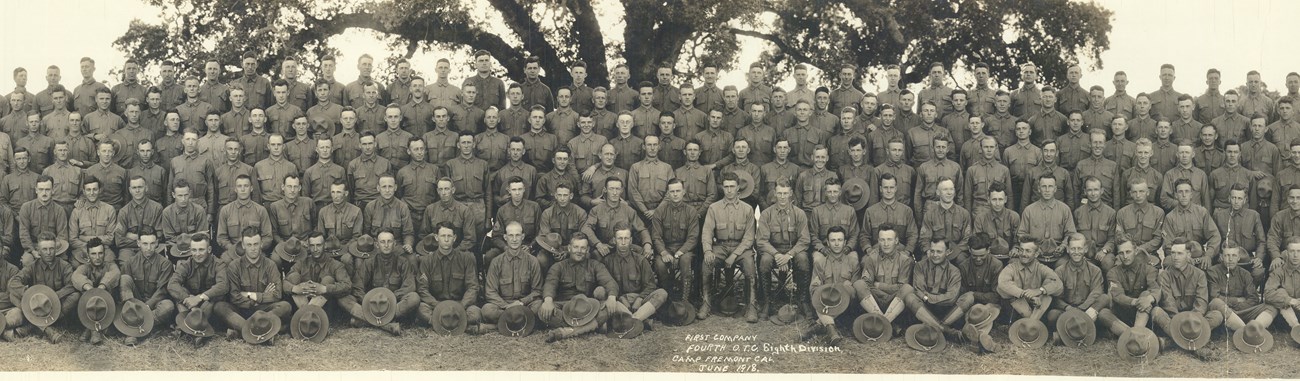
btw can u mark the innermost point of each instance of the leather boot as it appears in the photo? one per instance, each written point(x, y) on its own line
point(765, 301)
point(705, 294)
point(685, 291)
point(751, 310)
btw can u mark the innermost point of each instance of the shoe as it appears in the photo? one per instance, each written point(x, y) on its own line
point(704, 312)
point(553, 337)
point(23, 331)
point(952, 333)
point(7, 335)
point(1209, 354)
point(131, 341)
point(835, 338)
point(986, 342)
point(356, 323)
point(97, 338)
point(393, 328)
point(751, 314)
point(471, 329)
point(649, 326)
point(232, 334)
point(85, 336)
point(811, 331)
point(199, 342)
point(52, 336)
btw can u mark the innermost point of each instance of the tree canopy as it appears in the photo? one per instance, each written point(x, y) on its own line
point(684, 34)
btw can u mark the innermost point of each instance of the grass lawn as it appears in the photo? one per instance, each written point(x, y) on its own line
point(355, 349)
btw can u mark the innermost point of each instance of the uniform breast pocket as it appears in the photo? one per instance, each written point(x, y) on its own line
point(508, 284)
point(284, 221)
point(1147, 226)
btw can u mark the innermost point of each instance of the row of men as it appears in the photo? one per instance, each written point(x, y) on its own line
point(177, 86)
point(887, 281)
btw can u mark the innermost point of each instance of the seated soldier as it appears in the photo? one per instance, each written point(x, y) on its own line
point(835, 263)
point(49, 269)
point(1234, 294)
point(1187, 219)
point(576, 276)
point(979, 277)
point(145, 275)
point(1081, 282)
point(199, 281)
point(1133, 289)
point(1283, 282)
point(935, 286)
point(316, 278)
point(675, 230)
point(388, 267)
point(254, 283)
point(1026, 283)
point(98, 272)
point(514, 278)
point(783, 240)
point(1183, 288)
point(10, 311)
point(629, 265)
point(731, 221)
point(184, 217)
point(884, 275)
point(447, 273)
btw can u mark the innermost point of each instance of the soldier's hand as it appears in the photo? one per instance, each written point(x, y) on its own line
point(782, 260)
point(1295, 303)
point(547, 309)
point(1257, 262)
point(667, 258)
point(731, 260)
point(298, 289)
point(648, 249)
point(649, 213)
point(192, 301)
point(602, 249)
point(515, 303)
point(319, 289)
point(611, 304)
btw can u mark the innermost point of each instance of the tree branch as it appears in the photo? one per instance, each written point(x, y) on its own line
point(781, 45)
point(519, 19)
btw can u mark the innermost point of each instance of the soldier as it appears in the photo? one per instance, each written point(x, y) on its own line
point(364, 172)
point(886, 275)
point(1139, 222)
point(48, 269)
point(417, 184)
point(448, 274)
point(1096, 221)
point(144, 278)
point(1192, 222)
point(979, 276)
point(317, 277)
point(91, 219)
point(561, 174)
point(42, 216)
point(675, 231)
point(835, 264)
point(1242, 228)
point(272, 170)
point(986, 171)
point(517, 209)
point(630, 269)
point(997, 222)
point(573, 279)
point(935, 286)
point(240, 215)
point(254, 283)
point(610, 212)
point(199, 281)
point(731, 221)
point(1183, 288)
point(889, 211)
point(1047, 221)
point(98, 271)
point(1234, 293)
point(1028, 284)
point(1081, 287)
point(1134, 290)
point(1098, 166)
point(515, 279)
point(183, 217)
point(388, 267)
point(783, 240)
point(390, 213)
point(459, 214)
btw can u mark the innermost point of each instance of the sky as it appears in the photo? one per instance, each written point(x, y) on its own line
point(1234, 36)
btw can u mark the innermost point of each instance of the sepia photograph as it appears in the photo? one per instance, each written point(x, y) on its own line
point(650, 189)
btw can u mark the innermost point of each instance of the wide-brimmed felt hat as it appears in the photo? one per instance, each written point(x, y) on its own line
point(261, 327)
point(310, 323)
point(551, 243)
point(289, 250)
point(925, 338)
point(744, 184)
point(1253, 338)
point(427, 245)
point(362, 247)
point(1028, 333)
point(194, 323)
point(41, 305)
point(679, 313)
point(981, 314)
point(1138, 343)
point(1189, 330)
point(181, 246)
point(96, 309)
point(1076, 329)
point(785, 315)
point(856, 193)
point(580, 310)
point(379, 305)
point(623, 326)
point(872, 327)
point(449, 318)
point(729, 304)
point(516, 321)
point(333, 247)
point(831, 299)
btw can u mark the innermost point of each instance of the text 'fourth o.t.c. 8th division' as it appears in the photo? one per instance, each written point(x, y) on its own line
point(737, 353)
